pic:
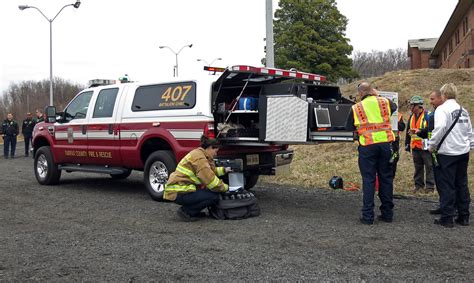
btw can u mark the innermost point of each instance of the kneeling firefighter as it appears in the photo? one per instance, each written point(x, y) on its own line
point(195, 184)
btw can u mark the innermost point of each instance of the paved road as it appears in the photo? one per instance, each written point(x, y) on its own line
point(95, 229)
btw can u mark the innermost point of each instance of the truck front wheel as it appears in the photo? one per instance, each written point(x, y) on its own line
point(158, 167)
point(46, 171)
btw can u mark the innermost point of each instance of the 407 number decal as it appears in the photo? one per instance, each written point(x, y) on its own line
point(175, 96)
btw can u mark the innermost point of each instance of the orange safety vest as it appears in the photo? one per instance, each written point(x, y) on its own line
point(372, 120)
point(415, 141)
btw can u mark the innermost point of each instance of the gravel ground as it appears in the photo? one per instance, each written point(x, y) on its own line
point(91, 228)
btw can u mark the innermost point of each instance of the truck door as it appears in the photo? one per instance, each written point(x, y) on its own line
point(70, 132)
point(102, 131)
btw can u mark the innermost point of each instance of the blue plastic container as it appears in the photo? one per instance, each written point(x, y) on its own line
point(248, 103)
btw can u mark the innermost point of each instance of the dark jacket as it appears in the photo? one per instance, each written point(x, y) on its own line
point(27, 127)
point(10, 128)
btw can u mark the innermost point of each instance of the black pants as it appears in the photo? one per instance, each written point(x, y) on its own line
point(27, 143)
point(196, 201)
point(451, 177)
point(395, 150)
point(374, 161)
point(9, 146)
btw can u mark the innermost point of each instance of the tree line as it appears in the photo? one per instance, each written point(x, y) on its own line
point(26, 96)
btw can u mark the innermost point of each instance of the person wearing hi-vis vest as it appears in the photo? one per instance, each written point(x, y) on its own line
point(421, 157)
point(195, 184)
point(370, 118)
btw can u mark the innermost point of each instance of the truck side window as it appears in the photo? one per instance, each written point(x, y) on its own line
point(77, 109)
point(104, 106)
point(180, 95)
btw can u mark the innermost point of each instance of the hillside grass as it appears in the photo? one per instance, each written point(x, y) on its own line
point(314, 165)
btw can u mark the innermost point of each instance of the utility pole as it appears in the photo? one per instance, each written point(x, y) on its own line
point(270, 61)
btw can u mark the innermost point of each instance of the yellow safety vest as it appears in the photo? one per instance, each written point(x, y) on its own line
point(372, 120)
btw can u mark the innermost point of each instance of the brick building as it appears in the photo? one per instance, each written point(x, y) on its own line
point(419, 52)
point(455, 47)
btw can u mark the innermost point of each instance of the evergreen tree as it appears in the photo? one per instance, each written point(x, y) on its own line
point(310, 36)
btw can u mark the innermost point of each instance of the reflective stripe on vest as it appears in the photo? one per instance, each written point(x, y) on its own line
point(372, 120)
point(180, 188)
point(420, 123)
point(214, 183)
point(220, 171)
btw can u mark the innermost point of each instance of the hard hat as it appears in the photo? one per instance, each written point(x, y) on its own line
point(416, 99)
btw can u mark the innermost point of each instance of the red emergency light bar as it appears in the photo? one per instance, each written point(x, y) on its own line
point(279, 73)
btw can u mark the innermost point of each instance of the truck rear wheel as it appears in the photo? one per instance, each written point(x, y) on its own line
point(158, 167)
point(250, 181)
point(46, 171)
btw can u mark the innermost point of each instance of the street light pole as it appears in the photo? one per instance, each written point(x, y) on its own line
point(175, 73)
point(75, 5)
point(212, 62)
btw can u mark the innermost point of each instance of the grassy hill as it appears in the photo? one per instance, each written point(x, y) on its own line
point(314, 165)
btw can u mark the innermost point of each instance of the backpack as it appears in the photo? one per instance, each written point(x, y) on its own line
point(235, 205)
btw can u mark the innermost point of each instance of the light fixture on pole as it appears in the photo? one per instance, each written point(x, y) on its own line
point(212, 62)
point(75, 5)
point(175, 69)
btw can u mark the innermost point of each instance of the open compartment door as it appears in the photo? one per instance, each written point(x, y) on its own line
point(285, 119)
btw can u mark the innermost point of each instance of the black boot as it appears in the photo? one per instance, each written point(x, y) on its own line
point(447, 223)
point(462, 220)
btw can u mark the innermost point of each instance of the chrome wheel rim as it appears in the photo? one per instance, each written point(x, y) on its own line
point(42, 166)
point(158, 176)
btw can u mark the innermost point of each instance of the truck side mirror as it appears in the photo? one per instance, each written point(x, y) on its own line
point(50, 114)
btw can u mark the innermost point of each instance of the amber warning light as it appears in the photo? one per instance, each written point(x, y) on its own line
point(213, 69)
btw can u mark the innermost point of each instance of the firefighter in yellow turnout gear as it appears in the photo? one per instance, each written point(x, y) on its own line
point(195, 184)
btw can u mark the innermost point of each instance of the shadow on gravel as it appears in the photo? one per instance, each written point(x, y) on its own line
point(103, 184)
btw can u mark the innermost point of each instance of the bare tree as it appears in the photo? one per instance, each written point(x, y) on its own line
point(26, 96)
point(377, 63)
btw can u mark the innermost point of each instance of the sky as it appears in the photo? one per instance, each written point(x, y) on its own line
point(105, 39)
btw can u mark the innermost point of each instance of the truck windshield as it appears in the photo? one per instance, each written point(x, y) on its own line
point(77, 109)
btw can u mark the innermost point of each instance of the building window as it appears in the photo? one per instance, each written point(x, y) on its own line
point(464, 27)
point(445, 54)
point(450, 46)
point(456, 37)
point(467, 63)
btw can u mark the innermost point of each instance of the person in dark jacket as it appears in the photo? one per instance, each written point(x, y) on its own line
point(10, 132)
point(396, 144)
point(27, 131)
point(39, 116)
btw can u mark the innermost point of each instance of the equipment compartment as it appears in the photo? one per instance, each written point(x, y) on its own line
point(265, 109)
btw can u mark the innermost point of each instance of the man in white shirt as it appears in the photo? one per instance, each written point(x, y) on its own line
point(453, 158)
